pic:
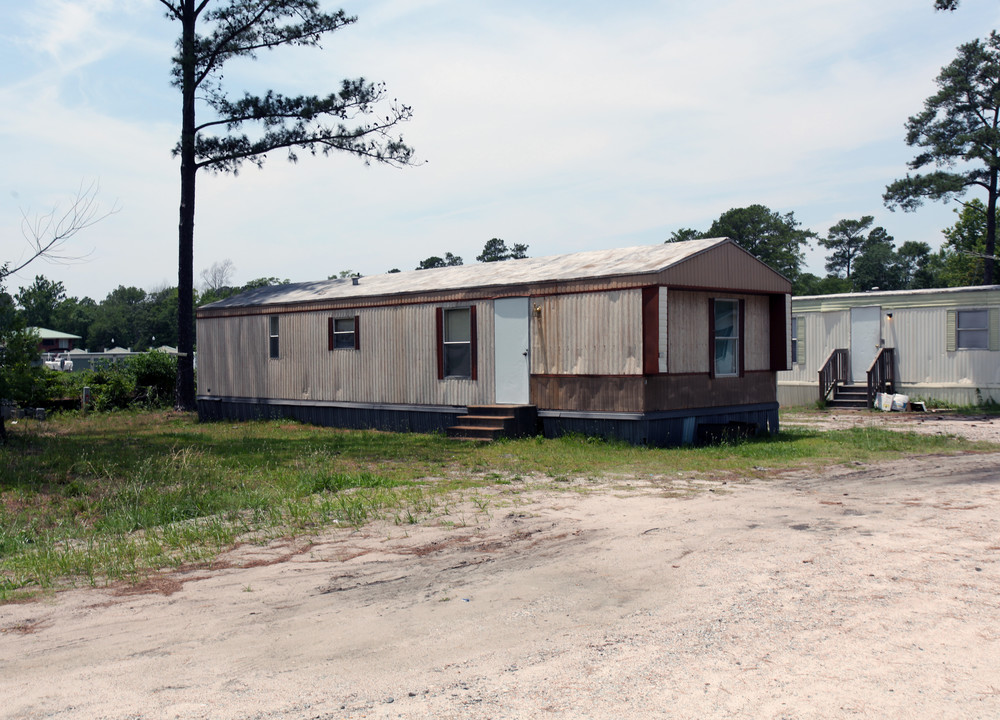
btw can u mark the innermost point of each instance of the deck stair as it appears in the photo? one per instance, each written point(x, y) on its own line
point(485, 423)
point(848, 397)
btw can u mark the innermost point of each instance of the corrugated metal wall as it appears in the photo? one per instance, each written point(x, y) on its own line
point(232, 356)
point(687, 350)
point(726, 268)
point(588, 334)
point(396, 363)
point(917, 333)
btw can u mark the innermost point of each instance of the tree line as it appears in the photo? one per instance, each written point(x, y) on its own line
point(141, 320)
point(862, 256)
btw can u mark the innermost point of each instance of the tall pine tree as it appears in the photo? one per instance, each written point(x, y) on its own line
point(212, 32)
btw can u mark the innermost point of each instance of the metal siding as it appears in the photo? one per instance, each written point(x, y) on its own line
point(802, 358)
point(728, 267)
point(663, 362)
point(232, 355)
point(688, 341)
point(756, 332)
point(588, 334)
point(920, 336)
point(397, 361)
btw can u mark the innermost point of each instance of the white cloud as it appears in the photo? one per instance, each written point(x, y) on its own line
point(563, 127)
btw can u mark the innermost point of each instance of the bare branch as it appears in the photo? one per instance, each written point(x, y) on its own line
point(219, 275)
point(47, 234)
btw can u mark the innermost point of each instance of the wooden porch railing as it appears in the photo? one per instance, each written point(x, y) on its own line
point(882, 374)
point(837, 368)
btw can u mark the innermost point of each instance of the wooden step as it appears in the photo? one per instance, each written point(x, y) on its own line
point(491, 422)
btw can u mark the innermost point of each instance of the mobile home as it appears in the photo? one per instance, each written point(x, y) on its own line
point(945, 343)
point(652, 344)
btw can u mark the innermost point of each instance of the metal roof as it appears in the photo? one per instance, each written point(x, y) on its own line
point(924, 297)
point(46, 334)
point(555, 268)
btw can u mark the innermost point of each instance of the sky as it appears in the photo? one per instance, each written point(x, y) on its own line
point(562, 126)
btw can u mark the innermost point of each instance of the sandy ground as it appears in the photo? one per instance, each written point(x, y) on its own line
point(864, 591)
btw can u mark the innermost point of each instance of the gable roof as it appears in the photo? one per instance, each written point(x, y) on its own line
point(581, 266)
point(46, 334)
point(923, 297)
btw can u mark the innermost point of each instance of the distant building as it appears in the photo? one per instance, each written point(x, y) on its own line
point(53, 341)
point(945, 342)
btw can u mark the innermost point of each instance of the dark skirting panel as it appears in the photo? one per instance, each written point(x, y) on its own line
point(399, 418)
point(661, 429)
point(695, 425)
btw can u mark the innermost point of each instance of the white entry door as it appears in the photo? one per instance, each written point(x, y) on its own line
point(866, 339)
point(512, 350)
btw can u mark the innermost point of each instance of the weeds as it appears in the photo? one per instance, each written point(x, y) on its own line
point(113, 497)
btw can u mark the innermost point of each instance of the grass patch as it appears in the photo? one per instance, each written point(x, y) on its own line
point(113, 497)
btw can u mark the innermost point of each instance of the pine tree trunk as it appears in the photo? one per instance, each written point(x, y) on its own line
point(991, 230)
point(184, 394)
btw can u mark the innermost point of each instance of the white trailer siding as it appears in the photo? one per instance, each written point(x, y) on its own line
point(917, 330)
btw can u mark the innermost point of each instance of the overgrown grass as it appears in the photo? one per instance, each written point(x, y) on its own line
point(114, 497)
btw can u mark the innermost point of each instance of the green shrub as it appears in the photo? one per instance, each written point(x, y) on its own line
point(145, 381)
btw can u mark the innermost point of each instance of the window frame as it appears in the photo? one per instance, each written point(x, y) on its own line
point(738, 306)
point(343, 339)
point(798, 339)
point(982, 331)
point(274, 337)
point(443, 369)
point(990, 333)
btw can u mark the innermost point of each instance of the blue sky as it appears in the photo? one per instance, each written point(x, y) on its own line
point(564, 126)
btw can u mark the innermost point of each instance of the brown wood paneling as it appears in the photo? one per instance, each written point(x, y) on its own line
point(439, 321)
point(677, 392)
point(473, 344)
point(711, 336)
point(778, 308)
point(588, 393)
point(742, 343)
point(729, 268)
point(650, 330)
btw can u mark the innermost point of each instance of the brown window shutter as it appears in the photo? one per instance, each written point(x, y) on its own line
point(777, 327)
point(711, 337)
point(474, 344)
point(650, 330)
point(741, 335)
point(329, 333)
point(357, 332)
point(439, 317)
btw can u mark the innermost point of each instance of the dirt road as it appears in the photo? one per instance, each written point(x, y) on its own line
point(867, 591)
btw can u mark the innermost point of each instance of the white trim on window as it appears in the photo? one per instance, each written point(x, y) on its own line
point(726, 340)
point(273, 337)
